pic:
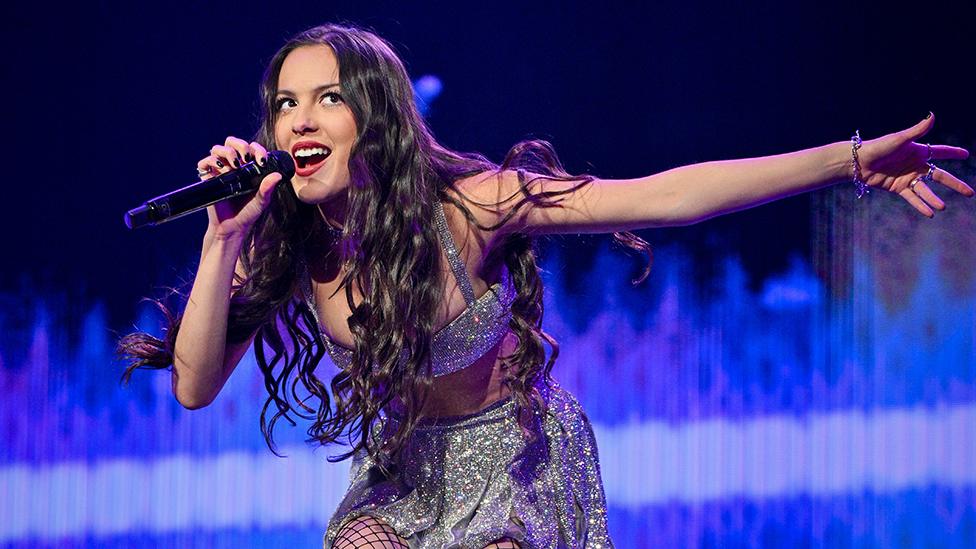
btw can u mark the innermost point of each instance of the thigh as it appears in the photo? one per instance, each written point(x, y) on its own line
point(368, 532)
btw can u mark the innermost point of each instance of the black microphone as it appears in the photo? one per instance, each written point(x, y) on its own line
point(243, 180)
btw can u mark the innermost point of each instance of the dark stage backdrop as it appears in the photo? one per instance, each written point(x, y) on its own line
point(800, 374)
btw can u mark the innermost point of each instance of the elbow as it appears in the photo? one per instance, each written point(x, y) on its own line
point(683, 210)
point(186, 396)
point(191, 403)
point(690, 207)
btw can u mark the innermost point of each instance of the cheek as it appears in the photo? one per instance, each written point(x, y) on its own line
point(280, 135)
point(345, 126)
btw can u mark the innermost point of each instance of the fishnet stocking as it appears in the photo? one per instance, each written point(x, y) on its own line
point(367, 532)
point(504, 543)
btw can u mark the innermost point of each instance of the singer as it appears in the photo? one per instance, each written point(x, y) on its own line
point(411, 267)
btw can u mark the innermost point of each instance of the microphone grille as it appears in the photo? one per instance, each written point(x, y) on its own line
point(281, 162)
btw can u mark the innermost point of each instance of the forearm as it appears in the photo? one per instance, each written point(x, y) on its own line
point(706, 190)
point(199, 369)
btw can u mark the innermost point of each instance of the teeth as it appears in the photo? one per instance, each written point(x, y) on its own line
point(305, 153)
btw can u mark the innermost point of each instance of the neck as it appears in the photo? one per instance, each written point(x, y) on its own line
point(334, 211)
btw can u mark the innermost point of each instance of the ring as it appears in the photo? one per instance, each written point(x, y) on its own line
point(929, 174)
point(928, 151)
point(915, 182)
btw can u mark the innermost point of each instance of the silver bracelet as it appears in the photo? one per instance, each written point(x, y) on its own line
point(860, 187)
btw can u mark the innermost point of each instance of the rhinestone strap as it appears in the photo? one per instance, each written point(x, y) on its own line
point(453, 257)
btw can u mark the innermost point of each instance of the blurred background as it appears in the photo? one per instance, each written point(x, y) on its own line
point(801, 374)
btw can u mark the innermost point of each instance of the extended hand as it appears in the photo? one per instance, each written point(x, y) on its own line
point(896, 163)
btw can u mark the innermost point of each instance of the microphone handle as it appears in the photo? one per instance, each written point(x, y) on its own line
point(195, 197)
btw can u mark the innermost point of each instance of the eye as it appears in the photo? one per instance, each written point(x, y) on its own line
point(331, 98)
point(284, 103)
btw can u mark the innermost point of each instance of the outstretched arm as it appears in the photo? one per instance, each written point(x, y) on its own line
point(690, 194)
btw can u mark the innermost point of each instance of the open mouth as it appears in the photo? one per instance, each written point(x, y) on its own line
point(306, 158)
point(309, 156)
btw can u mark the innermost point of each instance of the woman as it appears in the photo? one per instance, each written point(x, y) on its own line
point(412, 267)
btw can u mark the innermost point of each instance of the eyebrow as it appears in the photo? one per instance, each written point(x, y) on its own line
point(317, 90)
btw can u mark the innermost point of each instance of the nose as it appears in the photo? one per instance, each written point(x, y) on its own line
point(303, 122)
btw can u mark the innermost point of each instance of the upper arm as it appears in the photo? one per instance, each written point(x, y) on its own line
point(541, 205)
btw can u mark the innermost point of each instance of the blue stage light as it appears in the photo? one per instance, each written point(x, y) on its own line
point(425, 90)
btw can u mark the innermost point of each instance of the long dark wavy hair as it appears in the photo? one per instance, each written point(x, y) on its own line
point(389, 249)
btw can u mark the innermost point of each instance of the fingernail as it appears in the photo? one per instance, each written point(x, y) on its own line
point(220, 164)
point(237, 162)
point(262, 161)
point(248, 157)
point(929, 115)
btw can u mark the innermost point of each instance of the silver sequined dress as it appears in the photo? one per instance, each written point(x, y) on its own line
point(464, 482)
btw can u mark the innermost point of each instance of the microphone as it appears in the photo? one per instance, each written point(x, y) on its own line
point(243, 180)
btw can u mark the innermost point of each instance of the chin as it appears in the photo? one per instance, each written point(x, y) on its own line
point(314, 192)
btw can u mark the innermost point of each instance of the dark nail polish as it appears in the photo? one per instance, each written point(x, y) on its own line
point(262, 161)
point(929, 115)
point(237, 162)
point(220, 164)
point(249, 157)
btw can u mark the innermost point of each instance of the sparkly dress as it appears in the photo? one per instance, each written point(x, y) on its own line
point(464, 482)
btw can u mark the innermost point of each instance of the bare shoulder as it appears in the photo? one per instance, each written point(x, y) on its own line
point(488, 190)
point(501, 188)
point(519, 201)
point(473, 202)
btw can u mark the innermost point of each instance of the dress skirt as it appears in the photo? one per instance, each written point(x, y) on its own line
point(464, 482)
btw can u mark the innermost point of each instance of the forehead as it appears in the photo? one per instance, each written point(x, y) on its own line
point(308, 67)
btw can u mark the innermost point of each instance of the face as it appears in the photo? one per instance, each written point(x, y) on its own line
point(314, 124)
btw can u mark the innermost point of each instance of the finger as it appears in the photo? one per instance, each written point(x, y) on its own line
point(267, 187)
point(916, 202)
point(240, 147)
point(948, 152)
point(213, 165)
point(206, 167)
point(925, 193)
point(258, 152)
point(225, 157)
point(952, 182)
point(922, 128)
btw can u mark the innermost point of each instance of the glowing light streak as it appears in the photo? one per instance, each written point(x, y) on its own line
point(644, 463)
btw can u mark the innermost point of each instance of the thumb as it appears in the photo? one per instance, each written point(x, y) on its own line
point(267, 188)
point(922, 128)
point(262, 199)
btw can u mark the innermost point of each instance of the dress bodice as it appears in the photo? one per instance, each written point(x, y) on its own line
point(474, 332)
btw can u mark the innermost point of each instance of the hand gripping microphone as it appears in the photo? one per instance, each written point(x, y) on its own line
point(243, 180)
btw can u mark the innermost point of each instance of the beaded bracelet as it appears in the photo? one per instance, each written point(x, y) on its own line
point(860, 187)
